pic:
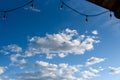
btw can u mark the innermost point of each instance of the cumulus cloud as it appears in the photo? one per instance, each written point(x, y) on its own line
point(50, 71)
point(61, 44)
point(62, 71)
point(52, 45)
point(13, 48)
point(115, 70)
point(94, 60)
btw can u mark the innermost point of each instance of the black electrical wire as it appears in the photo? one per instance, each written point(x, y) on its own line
point(87, 15)
point(10, 10)
point(63, 4)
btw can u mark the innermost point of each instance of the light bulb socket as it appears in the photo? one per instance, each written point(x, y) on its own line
point(110, 14)
point(4, 15)
point(86, 19)
point(32, 4)
point(61, 7)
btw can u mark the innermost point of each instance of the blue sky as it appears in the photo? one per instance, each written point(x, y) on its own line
point(46, 43)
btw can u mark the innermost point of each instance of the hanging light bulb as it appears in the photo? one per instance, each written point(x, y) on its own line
point(61, 7)
point(110, 14)
point(4, 16)
point(86, 19)
point(32, 4)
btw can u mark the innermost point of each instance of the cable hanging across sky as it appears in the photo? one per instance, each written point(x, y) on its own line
point(31, 2)
point(83, 14)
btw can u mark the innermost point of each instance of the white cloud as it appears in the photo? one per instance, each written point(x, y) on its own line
point(5, 78)
point(32, 9)
point(95, 32)
point(115, 70)
point(88, 74)
point(50, 71)
point(50, 56)
point(61, 44)
point(62, 55)
point(2, 69)
point(17, 62)
point(91, 73)
point(62, 71)
point(41, 63)
point(23, 61)
point(13, 48)
point(14, 57)
point(52, 45)
point(94, 60)
point(96, 70)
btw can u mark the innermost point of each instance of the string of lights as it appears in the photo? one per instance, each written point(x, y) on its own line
point(11, 10)
point(83, 14)
point(31, 2)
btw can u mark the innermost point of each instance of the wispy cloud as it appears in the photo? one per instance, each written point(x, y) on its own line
point(94, 60)
point(114, 70)
point(17, 62)
point(2, 69)
point(87, 74)
point(32, 9)
point(5, 78)
point(13, 48)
